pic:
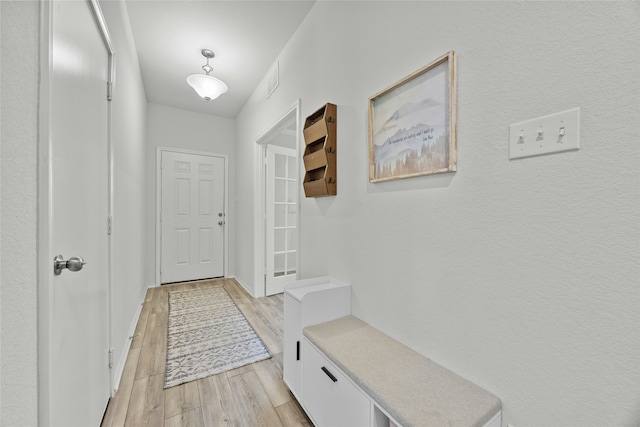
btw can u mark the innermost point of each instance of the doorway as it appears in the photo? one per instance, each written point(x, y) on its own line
point(277, 236)
point(192, 215)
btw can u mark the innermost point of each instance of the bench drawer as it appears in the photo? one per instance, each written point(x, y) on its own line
point(330, 397)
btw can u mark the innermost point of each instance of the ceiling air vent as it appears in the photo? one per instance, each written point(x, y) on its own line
point(273, 79)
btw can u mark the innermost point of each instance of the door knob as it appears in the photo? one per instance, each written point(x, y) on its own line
point(220, 222)
point(75, 263)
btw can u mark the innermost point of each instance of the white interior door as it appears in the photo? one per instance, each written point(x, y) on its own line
point(79, 312)
point(192, 217)
point(281, 203)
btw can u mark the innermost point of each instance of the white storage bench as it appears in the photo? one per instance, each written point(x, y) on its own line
point(309, 302)
point(354, 375)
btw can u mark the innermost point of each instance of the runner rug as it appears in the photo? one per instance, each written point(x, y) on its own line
point(207, 334)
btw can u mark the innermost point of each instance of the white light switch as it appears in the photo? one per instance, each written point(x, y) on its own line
point(548, 134)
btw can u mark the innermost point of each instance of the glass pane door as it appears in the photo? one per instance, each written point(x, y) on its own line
point(281, 217)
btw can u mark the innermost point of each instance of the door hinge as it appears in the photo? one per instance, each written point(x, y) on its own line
point(109, 91)
point(109, 225)
point(110, 358)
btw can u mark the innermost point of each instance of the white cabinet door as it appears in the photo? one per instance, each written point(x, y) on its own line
point(330, 398)
point(292, 363)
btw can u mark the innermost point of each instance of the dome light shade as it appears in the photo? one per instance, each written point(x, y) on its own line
point(208, 87)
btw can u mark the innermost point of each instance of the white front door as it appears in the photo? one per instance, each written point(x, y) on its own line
point(79, 312)
point(192, 216)
point(281, 200)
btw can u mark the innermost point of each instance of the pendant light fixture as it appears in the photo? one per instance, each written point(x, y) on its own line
point(208, 87)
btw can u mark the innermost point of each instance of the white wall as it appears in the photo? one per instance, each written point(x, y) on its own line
point(187, 130)
point(521, 275)
point(20, 32)
point(129, 144)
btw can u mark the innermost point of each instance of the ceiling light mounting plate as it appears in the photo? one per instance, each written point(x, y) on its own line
point(207, 53)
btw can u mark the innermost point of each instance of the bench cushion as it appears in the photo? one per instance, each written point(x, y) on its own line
point(411, 388)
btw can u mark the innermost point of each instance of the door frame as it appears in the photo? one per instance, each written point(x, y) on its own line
point(227, 219)
point(259, 203)
point(45, 203)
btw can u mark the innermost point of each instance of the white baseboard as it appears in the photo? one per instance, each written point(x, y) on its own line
point(119, 368)
point(246, 288)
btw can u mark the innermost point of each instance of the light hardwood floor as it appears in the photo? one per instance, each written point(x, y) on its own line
point(253, 395)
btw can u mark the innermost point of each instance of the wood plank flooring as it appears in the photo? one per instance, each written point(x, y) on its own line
point(252, 395)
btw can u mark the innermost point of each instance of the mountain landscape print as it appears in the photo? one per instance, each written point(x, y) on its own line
point(410, 127)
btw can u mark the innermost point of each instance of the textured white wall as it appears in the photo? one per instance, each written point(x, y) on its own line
point(522, 276)
point(177, 128)
point(19, 35)
point(129, 151)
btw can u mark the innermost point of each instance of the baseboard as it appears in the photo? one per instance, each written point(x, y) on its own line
point(241, 283)
point(119, 368)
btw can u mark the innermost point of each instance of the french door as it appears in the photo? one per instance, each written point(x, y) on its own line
point(281, 203)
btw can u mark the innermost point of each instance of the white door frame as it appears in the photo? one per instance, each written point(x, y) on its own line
point(45, 203)
point(226, 217)
point(259, 240)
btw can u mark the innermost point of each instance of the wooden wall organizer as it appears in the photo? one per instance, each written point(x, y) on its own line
point(320, 152)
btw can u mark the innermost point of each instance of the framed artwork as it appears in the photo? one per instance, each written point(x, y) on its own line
point(412, 124)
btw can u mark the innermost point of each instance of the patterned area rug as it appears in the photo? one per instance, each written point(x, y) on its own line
point(207, 334)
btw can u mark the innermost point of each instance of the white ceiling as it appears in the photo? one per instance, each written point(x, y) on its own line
point(246, 37)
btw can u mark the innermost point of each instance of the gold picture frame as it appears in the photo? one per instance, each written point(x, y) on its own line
point(412, 124)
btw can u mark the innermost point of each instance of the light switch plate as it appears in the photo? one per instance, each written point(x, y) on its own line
point(548, 134)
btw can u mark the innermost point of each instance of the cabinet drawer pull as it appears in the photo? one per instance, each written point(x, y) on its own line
point(329, 374)
point(297, 350)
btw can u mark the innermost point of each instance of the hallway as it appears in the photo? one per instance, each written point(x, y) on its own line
point(520, 274)
point(253, 395)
